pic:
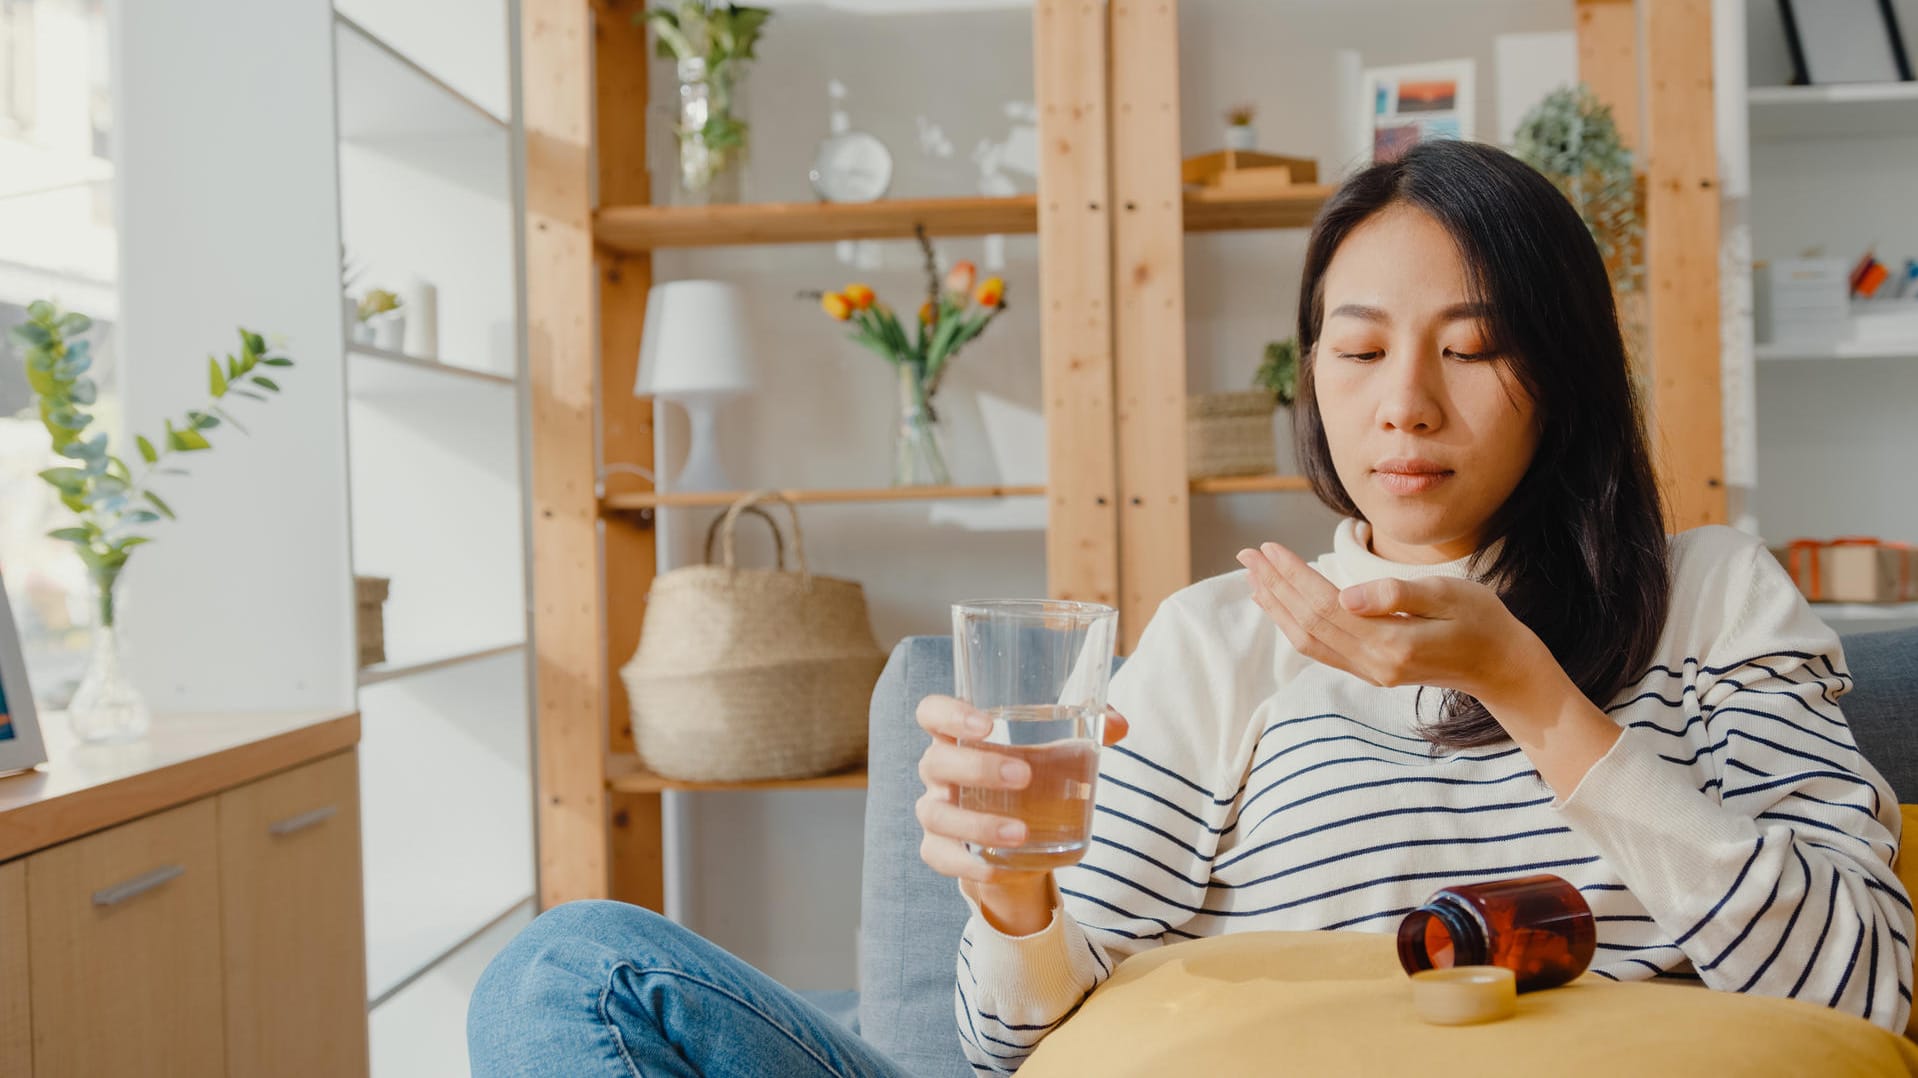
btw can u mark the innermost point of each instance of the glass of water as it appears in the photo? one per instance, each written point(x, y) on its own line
point(1039, 669)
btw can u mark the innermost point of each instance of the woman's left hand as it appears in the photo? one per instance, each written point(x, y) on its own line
point(1447, 632)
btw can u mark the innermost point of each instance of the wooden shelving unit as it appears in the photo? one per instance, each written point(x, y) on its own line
point(638, 500)
point(636, 229)
point(628, 775)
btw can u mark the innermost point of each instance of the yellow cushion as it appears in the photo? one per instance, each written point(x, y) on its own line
point(1333, 1003)
point(1908, 875)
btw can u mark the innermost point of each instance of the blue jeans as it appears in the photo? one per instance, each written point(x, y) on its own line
point(604, 988)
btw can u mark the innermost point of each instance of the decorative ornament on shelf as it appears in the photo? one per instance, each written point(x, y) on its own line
point(710, 43)
point(382, 320)
point(694, 349)
point(955, 312)
point(1239, 132)
point(112, 503)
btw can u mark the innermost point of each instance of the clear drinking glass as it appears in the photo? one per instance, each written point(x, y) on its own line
point(1039, 668)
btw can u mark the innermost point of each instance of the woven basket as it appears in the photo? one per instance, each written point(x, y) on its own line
point(1230, 434)
point(747, 674)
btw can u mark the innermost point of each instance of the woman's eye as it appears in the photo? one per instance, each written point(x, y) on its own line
point(1362, 357)
point(1470, 356)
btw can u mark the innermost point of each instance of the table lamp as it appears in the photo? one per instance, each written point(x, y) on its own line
point(694, 351)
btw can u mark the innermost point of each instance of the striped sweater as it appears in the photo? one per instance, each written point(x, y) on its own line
point(1733, 837)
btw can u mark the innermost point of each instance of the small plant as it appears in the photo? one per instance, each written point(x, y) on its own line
point(113, 502)
point(1241, 115)
point(376, 302)
point(1572, 139)
point(711, 44)
point(1279, 373)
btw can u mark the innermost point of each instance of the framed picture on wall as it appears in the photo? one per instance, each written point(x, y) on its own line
point(20, 745)
point(1834, 41)
point(1400, 107)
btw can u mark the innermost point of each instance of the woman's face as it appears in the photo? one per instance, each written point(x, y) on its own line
point(1429, 431)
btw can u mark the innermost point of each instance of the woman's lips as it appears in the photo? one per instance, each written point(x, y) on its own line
point(1410, 476)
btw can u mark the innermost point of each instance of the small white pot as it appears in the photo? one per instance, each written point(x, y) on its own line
point(1241, 137)
point(389, 330)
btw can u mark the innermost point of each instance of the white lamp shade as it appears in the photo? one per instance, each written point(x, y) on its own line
point(694, 343)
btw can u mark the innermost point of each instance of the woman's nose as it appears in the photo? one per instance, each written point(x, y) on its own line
point(1409, 402)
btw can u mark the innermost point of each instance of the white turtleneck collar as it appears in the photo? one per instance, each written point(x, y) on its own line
point(1352, 561)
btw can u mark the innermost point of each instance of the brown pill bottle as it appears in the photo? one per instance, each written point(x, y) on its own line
point(1539, 927)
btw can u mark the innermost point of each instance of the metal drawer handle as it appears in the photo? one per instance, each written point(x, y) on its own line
point(304, 820)
point(138, 885)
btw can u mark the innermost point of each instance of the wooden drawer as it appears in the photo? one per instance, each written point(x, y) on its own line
point(291, 901)
point(125, 950)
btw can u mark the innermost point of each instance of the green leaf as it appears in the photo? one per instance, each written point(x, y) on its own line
point(71, 535)
point(249, 394)
point(277, 361)
point(75, 323)
point(165, 509)
point(264, 382)
point(232, 368)
point(69, 419)
point(253, 342)
point(147, 452)
point(187, 441)
point(42, 311)
point(35, 336)
point(202, 421)
point(141, 516)
point(84, 392)
point(215, 380)
point(132, 541)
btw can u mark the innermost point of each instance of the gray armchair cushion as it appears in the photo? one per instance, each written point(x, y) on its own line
point(912, 917)
point(1883, 706)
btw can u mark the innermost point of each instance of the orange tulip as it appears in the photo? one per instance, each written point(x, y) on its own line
point(836, 305)
point(959, 281)
point(992, 292)
point(926, 312)
point(860, 295)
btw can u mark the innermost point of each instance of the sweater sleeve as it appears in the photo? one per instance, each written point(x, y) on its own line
point(1758, 836)
point(1156, 824)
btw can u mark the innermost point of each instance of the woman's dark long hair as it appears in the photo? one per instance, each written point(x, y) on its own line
point(1583, 561)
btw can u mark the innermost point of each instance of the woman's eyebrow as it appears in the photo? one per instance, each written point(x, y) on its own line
point(1467, 312)
point(1360, 311)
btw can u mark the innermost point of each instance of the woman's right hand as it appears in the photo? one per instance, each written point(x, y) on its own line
point(1016, 901)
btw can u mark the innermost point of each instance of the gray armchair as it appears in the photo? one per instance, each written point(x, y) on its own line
point(911, 917)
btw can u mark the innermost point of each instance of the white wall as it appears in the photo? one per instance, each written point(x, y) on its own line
point(775, 877)
point(224, 111)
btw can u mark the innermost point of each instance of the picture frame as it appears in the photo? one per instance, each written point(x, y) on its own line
point(1844, 41)
point(1401, 106)
point(21, 747)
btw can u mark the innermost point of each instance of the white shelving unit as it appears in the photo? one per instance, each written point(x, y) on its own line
point(1829, 171)
point(429, 189)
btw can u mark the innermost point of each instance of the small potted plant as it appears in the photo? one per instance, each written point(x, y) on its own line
point(382, 323)
point(113, 502)
point(955, 313)
point(1239, 132)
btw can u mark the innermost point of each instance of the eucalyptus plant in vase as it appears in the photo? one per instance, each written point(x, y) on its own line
point(710, 43)
point(114, 503)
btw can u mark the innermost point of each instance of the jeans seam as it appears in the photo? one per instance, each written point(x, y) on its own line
point(722, 990)
point(612, 1027)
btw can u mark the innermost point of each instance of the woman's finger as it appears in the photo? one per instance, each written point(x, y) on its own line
point(954, 861)
point(946, 764)
point(1116, 726)
point(944, 716)
point(1316, 612)
point(938, 816)
point(1337, 649)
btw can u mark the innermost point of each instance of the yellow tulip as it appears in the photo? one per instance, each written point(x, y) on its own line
point(926, 312)
point(992, 292)
point(860, 295)
point(959, 281)
point(836, 305)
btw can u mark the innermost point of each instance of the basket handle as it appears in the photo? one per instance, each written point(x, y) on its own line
point(779, 538)
point(747, 502)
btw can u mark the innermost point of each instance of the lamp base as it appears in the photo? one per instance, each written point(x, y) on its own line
point(703, 470)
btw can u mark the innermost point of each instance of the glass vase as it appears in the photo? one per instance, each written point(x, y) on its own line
point(106, 706)
point(710, 134)
point(917, 459)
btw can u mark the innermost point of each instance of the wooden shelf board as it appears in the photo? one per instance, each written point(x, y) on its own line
point(630, 502)
point(1224, 211)
point(1250, 484)
point(403, 666)
point(642, 228)
point(628, 775)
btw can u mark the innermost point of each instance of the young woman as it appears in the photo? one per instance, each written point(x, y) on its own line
point(1503, 667)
